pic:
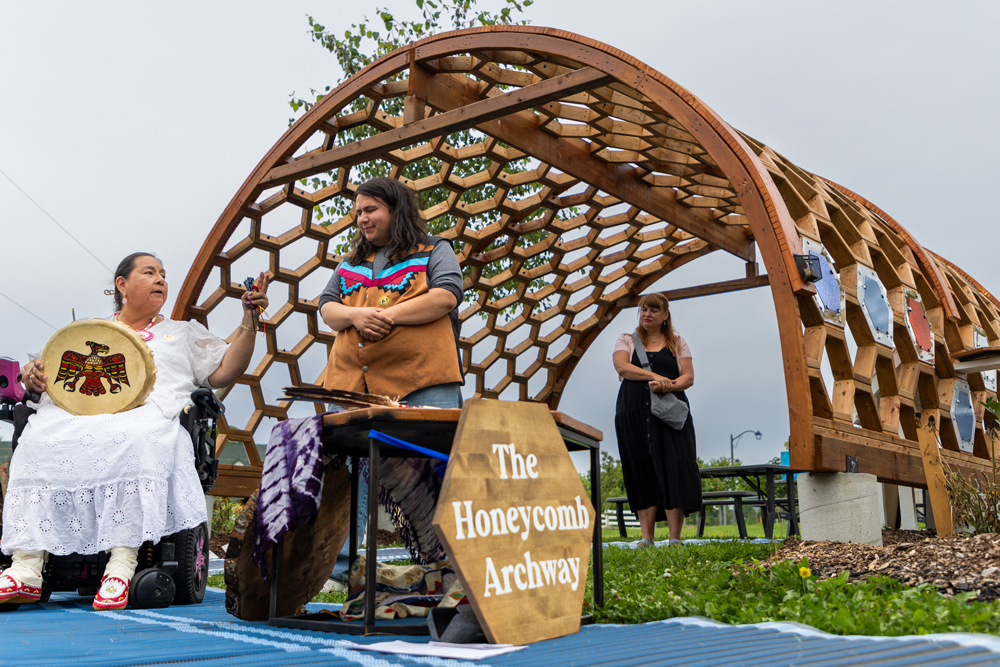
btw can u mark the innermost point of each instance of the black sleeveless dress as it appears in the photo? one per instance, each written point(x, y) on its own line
point(659, 464)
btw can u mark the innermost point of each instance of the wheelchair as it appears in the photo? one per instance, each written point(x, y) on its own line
point(174, 571)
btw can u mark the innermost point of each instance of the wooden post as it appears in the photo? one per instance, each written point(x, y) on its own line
point(933, 469)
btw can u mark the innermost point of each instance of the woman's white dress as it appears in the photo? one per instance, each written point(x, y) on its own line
point(83, 484)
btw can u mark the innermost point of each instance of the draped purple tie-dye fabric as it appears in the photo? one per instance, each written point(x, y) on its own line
point(291, 485)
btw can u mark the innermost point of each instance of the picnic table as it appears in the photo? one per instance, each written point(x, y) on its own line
point(772, 474)
point(348, 433)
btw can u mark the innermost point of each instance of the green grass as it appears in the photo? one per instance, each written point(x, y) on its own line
point(730, 531)
point(719, 581)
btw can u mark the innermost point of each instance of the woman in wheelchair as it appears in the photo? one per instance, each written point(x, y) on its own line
point(86, 484)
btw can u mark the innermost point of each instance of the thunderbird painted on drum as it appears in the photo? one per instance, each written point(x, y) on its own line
point(93, 368)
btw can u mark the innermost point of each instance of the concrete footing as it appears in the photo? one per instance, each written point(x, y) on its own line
point(840, 507)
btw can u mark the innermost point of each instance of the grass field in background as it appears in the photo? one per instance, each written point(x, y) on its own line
point(610, 533)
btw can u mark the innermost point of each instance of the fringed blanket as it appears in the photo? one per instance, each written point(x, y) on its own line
point(292, 484)
point(409, 493)
point(402, 590)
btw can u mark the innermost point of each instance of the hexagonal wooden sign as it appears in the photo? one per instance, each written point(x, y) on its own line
point(516, 522)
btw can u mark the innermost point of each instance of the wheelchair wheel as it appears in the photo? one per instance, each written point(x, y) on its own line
point(191, 552)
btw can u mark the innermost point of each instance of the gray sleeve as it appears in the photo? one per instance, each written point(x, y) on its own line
point(444, 272)
point(332, 290)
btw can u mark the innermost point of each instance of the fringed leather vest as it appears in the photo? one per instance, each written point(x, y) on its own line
point(411, 357)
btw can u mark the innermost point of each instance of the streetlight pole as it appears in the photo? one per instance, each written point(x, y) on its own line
point(734, 440)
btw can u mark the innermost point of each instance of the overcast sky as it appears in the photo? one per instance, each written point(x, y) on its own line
point(134, 124)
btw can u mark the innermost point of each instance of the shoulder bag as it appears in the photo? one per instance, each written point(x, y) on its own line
point(666, 407)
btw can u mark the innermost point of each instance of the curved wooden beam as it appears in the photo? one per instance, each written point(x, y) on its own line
point(972, 281)
point(615, 135)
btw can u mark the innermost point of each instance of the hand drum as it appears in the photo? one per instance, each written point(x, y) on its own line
point(98, 367)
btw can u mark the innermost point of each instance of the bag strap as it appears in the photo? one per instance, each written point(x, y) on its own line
point(640, 351)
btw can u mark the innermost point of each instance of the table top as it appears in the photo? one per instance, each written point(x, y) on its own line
point(738, 471)
point(433, 428)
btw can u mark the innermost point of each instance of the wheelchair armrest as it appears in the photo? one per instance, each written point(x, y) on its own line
point(200, 421)
point(207, 399)
point(20, 413)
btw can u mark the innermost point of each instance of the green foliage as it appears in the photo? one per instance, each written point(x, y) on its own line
point(612, 482)
point(723, 581)
point(722, 484)
point(224, 514)
point(975, 501)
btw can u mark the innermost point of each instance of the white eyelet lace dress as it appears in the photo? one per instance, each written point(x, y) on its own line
point(83, 484)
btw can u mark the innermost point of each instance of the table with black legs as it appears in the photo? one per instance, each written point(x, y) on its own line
point(752, 474)
point(347, 434)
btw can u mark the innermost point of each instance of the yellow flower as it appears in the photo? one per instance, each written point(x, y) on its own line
point(805, 572)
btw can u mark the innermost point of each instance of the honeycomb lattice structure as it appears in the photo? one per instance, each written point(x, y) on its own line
point(571, 177)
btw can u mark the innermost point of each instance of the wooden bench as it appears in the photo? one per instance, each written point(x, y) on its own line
point(719, 498)
point(733, 498)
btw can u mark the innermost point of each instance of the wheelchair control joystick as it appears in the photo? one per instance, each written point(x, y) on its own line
point(11, 390)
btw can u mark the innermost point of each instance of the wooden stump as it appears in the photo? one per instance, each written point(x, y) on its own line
point(309, 554)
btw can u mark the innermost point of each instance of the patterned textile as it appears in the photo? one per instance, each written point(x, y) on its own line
point(396, 277)
point(403, 590)
point(409, 491)
point(291, 484)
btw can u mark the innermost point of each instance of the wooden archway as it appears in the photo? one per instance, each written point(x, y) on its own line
point(572, 177)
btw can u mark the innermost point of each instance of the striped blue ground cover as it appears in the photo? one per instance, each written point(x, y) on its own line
point(65, 631)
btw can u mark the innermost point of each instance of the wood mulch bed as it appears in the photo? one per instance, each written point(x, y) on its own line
point(953, 564)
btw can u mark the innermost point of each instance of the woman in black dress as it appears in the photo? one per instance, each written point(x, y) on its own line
point(659, 464)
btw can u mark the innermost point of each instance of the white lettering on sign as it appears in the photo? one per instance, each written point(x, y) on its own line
point(525, 573)
point(520, 467)
point(483, 523)
point(532, 574)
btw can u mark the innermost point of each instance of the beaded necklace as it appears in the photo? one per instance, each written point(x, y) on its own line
point(144, 332)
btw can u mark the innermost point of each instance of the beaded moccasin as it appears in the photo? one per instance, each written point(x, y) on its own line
point(112, 596)
point(13, 591)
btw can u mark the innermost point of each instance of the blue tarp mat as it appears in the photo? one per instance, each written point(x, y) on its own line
point(66, 631)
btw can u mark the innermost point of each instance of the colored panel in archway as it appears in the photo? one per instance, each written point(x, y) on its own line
point(878, 307)
point(920, 329)
point(963, 416)
point(829, 291)
point(827, 286)
point(875, 305)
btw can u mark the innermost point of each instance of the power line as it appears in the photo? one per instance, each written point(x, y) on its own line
point(26, 310)
point(110, 270)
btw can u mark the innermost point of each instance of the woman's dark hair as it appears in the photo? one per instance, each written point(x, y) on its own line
point(124, 270)
point(405, 226)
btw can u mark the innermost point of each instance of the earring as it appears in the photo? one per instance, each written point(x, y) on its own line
point(124, 301)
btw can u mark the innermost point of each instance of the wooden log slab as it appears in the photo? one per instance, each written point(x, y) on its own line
point(309, 554)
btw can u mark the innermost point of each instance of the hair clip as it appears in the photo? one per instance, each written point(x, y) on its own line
point(109, 292)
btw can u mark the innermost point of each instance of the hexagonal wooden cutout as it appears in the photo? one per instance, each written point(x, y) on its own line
point(516, 522)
